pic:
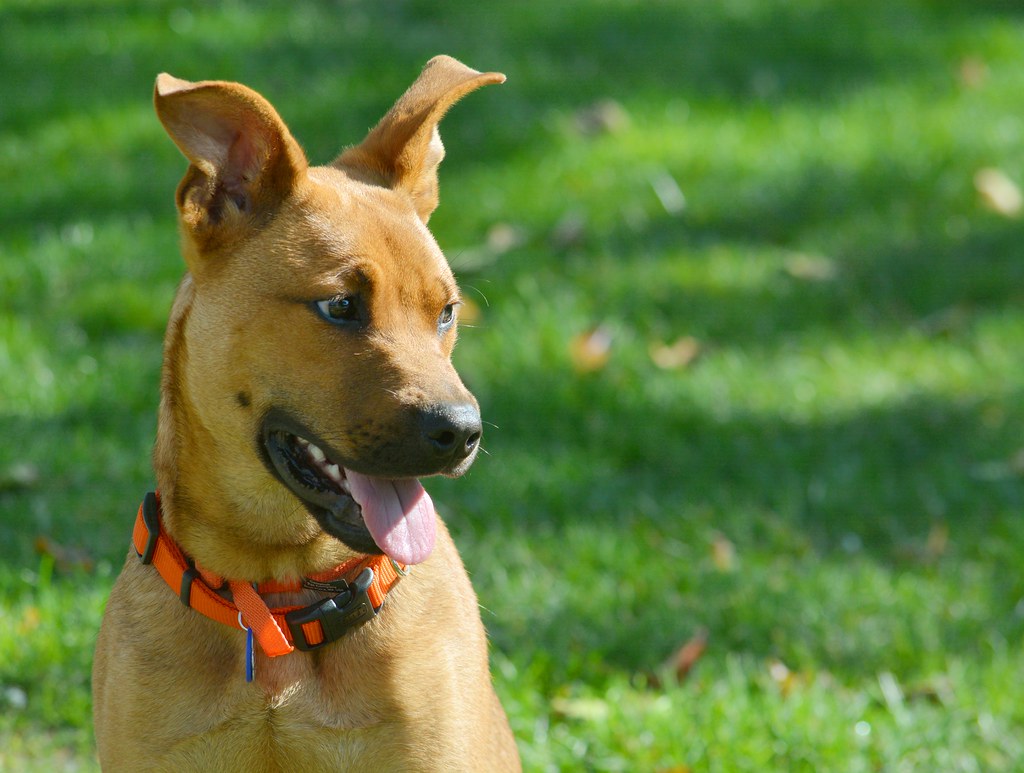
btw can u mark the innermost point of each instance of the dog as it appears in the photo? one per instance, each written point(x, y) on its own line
point(291, 600)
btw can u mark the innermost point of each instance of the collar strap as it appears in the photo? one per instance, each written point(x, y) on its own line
point(360, 586)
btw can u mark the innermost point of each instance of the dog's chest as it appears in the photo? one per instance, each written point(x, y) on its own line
point(306, 688)
point(294, 705)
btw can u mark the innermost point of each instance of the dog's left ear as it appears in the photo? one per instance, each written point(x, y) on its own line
point(404, 150)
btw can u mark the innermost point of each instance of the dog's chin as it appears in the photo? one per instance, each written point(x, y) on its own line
point(318, 482)
point(345, 523)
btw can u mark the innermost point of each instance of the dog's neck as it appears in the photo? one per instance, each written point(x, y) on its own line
point(223, 532)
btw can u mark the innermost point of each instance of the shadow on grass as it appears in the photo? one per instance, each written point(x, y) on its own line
point(921, 278)
point(333, 69)
point(834, 524)
point(886, 472)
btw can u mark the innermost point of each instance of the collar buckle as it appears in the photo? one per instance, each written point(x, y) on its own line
point(150, 516)
point(337, 616)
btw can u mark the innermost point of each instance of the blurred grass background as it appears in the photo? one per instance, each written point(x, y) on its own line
point(747, 325)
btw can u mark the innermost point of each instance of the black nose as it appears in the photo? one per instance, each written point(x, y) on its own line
point(452, 429)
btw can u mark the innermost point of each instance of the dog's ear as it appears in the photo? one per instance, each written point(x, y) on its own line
point(403, 150)
point(243, 158)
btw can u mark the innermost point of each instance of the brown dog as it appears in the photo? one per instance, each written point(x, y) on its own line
point(307, 384)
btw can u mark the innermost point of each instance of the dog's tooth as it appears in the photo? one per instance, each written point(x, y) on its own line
point(316, 454)
point(333, 472)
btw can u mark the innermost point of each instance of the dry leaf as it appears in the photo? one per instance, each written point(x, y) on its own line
point(675, 355)
point(603, 117)
point(686, 657)
point(590, 351)
point(723, 553)
point(892, 694)
point(502, 237)
point(21, 475)
point(811, 268)
point(998, 192)
point(1000, 469)
point(949, 320)
point(668, 192)
point(30, 620)
point(590, 709)
point(569, 231)
point(785, 679)
point(973, 72)
point(937, 542)
point(15, 697)
point(66, 559)
point(936, 689)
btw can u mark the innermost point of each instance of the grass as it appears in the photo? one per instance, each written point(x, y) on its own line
point(832, 489)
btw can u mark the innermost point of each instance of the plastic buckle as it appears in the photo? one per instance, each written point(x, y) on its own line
point(151, 519)
point(338, 615)
point(187, 578)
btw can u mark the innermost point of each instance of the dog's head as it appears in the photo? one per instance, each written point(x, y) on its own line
point(319, 315)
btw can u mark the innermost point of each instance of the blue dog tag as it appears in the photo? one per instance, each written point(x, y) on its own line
point(250, 655)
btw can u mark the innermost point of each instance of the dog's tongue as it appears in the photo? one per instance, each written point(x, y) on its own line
point(398, 513)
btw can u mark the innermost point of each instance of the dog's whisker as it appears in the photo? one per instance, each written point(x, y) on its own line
point(479, 292)
point(455, 258)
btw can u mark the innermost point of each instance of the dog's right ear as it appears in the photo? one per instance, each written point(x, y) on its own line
point(243, 160)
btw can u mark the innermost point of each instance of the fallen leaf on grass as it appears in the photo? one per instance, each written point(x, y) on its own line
point(937, 542)
point(606, 116)
point(1000, 469)
point(19, 476)
point(892, 694)
point(810, 268)
point(30, 620)
point(66, 558)
point(784, 679)
point(675, 355)
point(685, 658)
point(591, 350)
point(570, 231)
point(671, 196)
point(503, 237)
point(679, 664)
point(947, 321)
point(723, 553)
point(973, 72)
point(588, 709)
point(935, 689)
point(998, 192)
point(15, 697)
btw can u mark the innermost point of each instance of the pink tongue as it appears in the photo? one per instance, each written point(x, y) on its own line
point(398, 513)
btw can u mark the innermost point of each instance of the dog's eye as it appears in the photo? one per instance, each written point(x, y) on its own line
point(341, 308)
point(447, 316)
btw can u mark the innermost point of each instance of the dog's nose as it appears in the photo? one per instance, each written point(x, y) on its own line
point(452, 429)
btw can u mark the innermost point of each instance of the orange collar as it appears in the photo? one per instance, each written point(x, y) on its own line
point(360, 584)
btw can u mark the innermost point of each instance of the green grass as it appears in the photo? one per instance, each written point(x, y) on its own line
point(833, 489)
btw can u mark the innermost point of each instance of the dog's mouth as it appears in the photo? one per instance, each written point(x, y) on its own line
point(369, 514)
